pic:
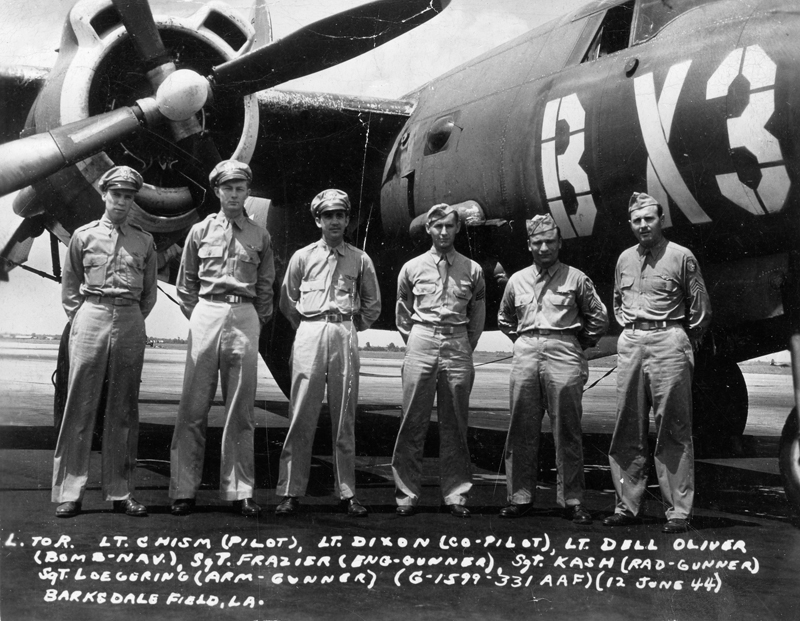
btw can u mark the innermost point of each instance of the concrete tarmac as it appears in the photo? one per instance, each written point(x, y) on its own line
point(740, 560)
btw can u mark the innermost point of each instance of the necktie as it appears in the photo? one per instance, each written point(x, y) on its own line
point(443, 271)
point(332, 256)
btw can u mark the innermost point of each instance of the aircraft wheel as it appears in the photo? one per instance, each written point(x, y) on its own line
point(720, 405)
point(789, 459)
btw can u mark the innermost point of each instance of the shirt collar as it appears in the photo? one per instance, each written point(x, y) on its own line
point(550, 271)
point(238, 220)
point(450, 256)
point(326, 248)
point(653, 250)
point(122, 228)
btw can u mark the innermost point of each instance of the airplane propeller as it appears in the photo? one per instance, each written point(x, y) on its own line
point(320, 45)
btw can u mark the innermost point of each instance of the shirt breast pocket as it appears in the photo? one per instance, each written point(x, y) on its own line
point(345, 291)
point(134, 270)
point(462, 294)
point(312, 296)
point(210, 261)
point(246, 267)
point(94, 269)
point(562, 298)
point(425, 294)
point(664, 284)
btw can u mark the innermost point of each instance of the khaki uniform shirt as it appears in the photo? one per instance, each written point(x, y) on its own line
point(311, 288)
point(557, 298)
point(227, 257)
point(422, 297)
point(662, 283)
point(108, 260)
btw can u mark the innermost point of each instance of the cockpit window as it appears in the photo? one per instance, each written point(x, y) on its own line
point(614, 32)
point(655, 14)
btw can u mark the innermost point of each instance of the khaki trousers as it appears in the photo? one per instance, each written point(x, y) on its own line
point(547, 373)
point(436, 365)
point(324, 355)
point(654, 370)
point(223, 343)
point(105, 340)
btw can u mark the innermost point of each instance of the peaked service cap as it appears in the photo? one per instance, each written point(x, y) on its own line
point(230, 169)
point(123, 177)
point(640, 200)
point(330, 200)
point(540, 224)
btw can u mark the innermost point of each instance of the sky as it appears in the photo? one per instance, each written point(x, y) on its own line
point(30, 33)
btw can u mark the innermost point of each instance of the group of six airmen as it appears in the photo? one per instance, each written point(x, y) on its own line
point(330, 291)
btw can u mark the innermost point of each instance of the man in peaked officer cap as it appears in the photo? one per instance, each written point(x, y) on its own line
point(225, 289)
point(661, 302)
point(552, 313)
point(108, 288)
point(440, 313)
point(330, 292)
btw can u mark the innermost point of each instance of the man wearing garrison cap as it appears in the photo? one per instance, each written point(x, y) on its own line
point(661, 302)
point(108, 288)
point(552, 313)
point(330, 292)
point(225, 290)
point(440, 314)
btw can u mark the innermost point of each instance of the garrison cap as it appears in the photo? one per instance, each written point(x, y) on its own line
point(540, 224)
point(330, 200)
point(123, 177)
point(640, 200)
point(230, 169)
point(442, 210)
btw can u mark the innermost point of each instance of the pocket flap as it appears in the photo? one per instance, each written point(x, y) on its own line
point(207, 252)
point(312, 285)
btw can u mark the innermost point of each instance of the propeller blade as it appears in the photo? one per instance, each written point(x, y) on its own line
point(31, 159)
point(138, 20)
point(323, 44)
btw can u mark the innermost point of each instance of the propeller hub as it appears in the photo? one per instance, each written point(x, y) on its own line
point(182, 95)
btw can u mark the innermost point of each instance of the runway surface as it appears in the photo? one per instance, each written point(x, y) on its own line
point(741, 560)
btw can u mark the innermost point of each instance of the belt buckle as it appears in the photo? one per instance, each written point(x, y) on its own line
point(333, 318)
point(446, 330)
point(231, 299)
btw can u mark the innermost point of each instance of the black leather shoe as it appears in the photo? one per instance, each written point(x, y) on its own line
point(514, 511)
point(247, 507)
point(288, 506)
point(354, 508)
point(620, 519)
point(68, 509)
point(675, 526)
point(459, 511)
point(182, 506)
point(130, 506)
point(579, 516)
point(406, 510)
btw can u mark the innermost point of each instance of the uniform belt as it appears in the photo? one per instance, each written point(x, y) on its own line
point(446, 330)
point(330, 317)
point(107, 299)
point(230, 299)
point(545, 332)
point(651, 325)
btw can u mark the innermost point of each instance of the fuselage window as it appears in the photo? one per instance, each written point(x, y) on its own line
point(614, 33)
point(438, 137)
point(653, 15)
